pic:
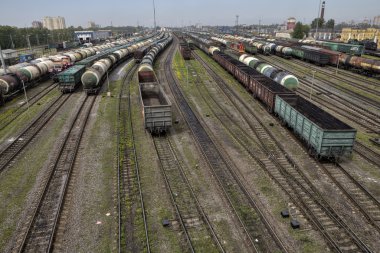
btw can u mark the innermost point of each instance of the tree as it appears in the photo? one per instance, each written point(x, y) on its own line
point(320, 21)
point(330, 24)
point(306, 29)
point(300, 31)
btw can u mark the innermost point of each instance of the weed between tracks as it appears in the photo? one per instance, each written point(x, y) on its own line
point(261, 181)
point(25, 117)
point(93, 193)
point(156, 199)
point(18, 182)
point(327, 80)
point(132, 215)
point(201, 178)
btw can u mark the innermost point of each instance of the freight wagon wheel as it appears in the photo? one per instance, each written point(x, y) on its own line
point(311, 152)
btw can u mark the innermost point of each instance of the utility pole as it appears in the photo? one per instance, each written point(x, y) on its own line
point(28, 41)
point(319, 11)
point(237, 24)
point(26, 97)
point(108, 85)
point(2, 61)
point(12, 44)
point(154, 15)
point(337, 65)
point(312, 83)
point(259, 26)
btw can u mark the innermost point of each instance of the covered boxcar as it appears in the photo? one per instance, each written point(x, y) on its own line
point(185, 50)
point(351, 49)
point(311, 54)
point(325, 135)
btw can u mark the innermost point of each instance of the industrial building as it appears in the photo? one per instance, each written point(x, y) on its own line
point(283, 34)
point(54, 23)
point(92, 25)
point(361, 34)
point(291, 23)
point(376, 21)
point(37, 24)
point(92, 35)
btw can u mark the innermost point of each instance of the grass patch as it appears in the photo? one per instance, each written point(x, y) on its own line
point(156, 199)
point(17, 182)
point(106, 122)
point(26, 116)
point(261, 179)
point(370, 57)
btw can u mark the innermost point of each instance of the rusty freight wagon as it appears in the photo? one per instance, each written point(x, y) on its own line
point(261, 87)
point(185, 50)
point(325, 136)
point(157, 109)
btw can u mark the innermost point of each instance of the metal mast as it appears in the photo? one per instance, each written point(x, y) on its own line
point(319, 10)
point(237, 23)
point(2, 61)
point(154, 15)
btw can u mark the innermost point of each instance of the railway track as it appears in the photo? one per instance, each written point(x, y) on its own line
point(359, 97)
point(346, 73)
point(351, 113)
point(359, 110)
point(366, 202)
point(192, 219)
point(9, 153)
point(361, 82)
point(40, 232)
point(364, 117)
point(367, 153)
point(130, 197)
point(362, 150)
point(31, 100)
point(332, 75)
point(287, 174)
point(244, 206)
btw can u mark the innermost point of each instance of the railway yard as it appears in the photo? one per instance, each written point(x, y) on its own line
point(179, 141)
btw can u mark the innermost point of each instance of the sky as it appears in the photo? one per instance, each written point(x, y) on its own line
point(21, 13)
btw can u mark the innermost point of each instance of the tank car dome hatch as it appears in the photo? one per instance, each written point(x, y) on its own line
point(145, 67)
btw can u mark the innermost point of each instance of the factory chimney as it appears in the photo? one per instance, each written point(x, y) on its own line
point(323, 10)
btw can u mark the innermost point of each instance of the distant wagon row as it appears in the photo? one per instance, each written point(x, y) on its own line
point(157, 108)
point(92, 71)
point(28, 74)
point(324, 135)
